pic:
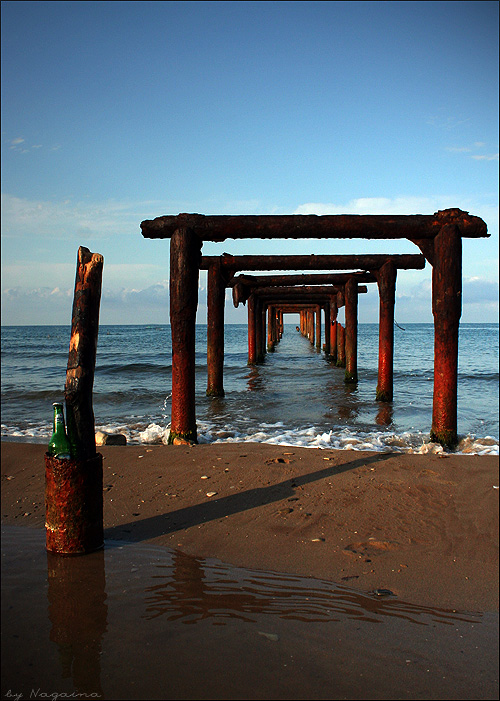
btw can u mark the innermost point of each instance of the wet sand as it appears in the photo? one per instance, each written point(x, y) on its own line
point(139, 621)
point(424, 527)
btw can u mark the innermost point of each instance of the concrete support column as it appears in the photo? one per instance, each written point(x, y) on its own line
point(252, 349)
point(270, 329)
point(326, 309)
point(386, 281)
point(318, 327)
point(215, 330)
point(447, 309)
point(185, 258)
point(340, 346)
point(351, 331)
point(333, 329)
point(260, 334)
point(311, 326)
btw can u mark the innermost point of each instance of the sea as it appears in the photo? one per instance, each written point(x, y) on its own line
point(296, 397)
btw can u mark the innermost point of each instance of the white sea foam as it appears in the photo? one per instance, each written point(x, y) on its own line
point(278, 434)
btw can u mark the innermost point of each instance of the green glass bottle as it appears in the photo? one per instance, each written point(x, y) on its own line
point(59, 446)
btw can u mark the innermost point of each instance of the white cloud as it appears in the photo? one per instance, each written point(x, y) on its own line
point(458, 149)
point(469, 149)
point(409, 205)
point(380, 205)
point(491, 157)
point(476, 289)
point(67, 219)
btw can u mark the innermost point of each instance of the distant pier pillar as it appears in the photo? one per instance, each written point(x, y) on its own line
point(351, 331)
point(270, 329)
point(311, 327)
point(318, 326)
point(386, 280)
point(185, 258)
point(326, 346)
point(340, 346)
point(333, 329)
point(216, 293)
point(252, 352)
point(260, 334)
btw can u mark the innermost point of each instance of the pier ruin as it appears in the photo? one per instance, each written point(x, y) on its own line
point(438, 236)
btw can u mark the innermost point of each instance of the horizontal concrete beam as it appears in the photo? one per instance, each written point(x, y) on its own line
point(406, 261)
point(256, 281)
point(312, 226)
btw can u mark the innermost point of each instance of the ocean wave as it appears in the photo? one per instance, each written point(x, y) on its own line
point(277, 434)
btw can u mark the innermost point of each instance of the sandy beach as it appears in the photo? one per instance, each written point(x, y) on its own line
point(424, 527)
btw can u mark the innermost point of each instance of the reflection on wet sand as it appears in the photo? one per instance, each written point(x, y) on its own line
point(136, 621)
point(77, 611)
point(192, 590)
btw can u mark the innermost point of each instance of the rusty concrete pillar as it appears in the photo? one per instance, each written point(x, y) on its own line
point(259, 331)
point(271, 328)
point(215, 330)
point(277, 325)
point(252, 351)
point(340, 346)
point(318, 327)
point(351, 331)
point(333, 329)
point(185, 258)
point(386, 281)
point(447, 309)
point(311, 327)
point(326, 346)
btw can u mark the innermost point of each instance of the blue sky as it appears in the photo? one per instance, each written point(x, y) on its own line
point(115, 112)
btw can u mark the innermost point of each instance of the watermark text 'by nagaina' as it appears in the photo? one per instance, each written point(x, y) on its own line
point(52, 695)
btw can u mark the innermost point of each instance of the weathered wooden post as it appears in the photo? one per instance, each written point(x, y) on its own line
point(447, 309)
point(215, 329)
point(252, 351)
point(185, 255)
point(386, 280)
point(73, 488)
point(351, 331)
